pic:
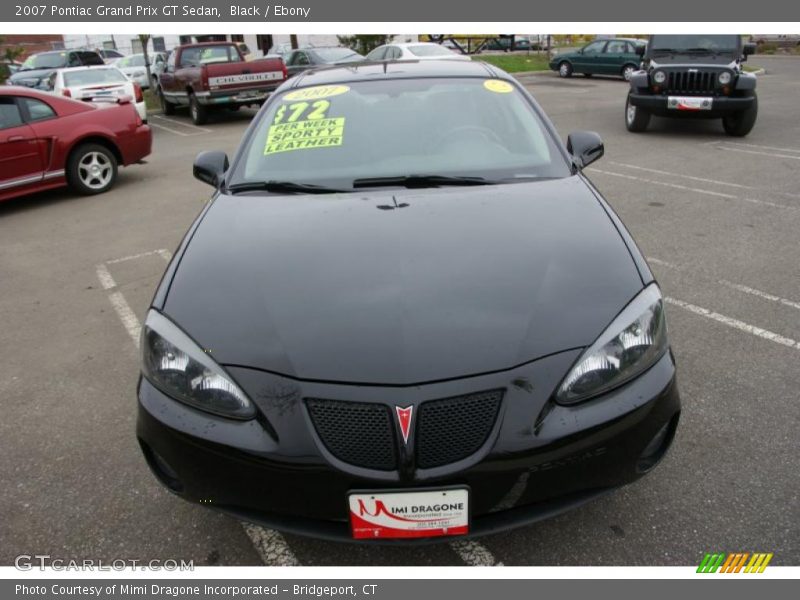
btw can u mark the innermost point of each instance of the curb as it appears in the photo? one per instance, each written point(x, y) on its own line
point(760, 71)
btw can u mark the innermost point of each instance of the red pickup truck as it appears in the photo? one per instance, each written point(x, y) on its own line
point(211, 74)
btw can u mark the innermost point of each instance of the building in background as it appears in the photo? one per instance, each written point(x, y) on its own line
point(31, 44)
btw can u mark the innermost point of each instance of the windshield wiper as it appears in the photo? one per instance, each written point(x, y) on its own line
point(664, 50)
point(701, 50)
point(290, 187)
point(420, 181)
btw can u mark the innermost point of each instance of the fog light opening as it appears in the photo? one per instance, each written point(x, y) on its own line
point(161, 469)
point(658, 446)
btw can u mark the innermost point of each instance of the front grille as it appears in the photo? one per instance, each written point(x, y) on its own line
point(691, 82)
point(358, 433)
point(452, 429)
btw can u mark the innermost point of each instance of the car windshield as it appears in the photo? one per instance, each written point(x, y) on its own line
point(429, 50)
point(694, 43)
point(53, 60)
point(93, 77)
point(335, 54)
point(334, 135)
point(135, 60)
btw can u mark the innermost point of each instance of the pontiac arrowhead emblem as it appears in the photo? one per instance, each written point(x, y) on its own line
point(404, 416)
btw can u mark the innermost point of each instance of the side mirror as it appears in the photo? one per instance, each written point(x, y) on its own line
point(749, 49)
point(209, 167)
point(640, 50)
point(585, 147)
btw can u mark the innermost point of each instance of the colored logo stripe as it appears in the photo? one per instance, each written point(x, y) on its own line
point(733, 563)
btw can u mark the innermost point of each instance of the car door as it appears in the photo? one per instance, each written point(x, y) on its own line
point(587, 59)
point(166, 79)
point(20, 156)
point(613, 57)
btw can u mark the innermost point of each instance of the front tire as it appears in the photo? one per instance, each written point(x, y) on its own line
point(564, 69)
point(741, 123)
point(636, 118)
point(91, 169)
point(198, 112)
point(628, 71)
point(167, 107)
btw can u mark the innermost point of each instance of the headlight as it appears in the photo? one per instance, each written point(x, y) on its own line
point(175, 364)
point(725, 78)
point(634, 341)
point(659, 77)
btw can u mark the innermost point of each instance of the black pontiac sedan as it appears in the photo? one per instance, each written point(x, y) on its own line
point(406, 314)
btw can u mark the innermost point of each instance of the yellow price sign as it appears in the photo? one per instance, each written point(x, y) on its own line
point(498, 86)
point(317, 92)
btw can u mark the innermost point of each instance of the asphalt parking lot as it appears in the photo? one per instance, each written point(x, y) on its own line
point(717, 217)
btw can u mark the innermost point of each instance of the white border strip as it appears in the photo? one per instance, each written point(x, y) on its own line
point(350, 27)
point(377, 573)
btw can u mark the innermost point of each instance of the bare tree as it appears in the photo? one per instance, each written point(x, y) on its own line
point(144, 38)
point(293, 41)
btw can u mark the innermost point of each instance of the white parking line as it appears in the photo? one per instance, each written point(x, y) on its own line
point(106, 280)
point(182, 123)
point(733, 285)
point(271, 546)
point(735, 323)
point(796, 150)
point(665, 184)
point(759, 152)
point(129, 319)
point(696, 190)
point(681, 175)
point(175, 131)
point(474, 553)
point(759, 293)
point(114, 261)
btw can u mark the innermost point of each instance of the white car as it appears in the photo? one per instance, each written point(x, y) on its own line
point(414, 51)
point(134, 67)
point(96, 83)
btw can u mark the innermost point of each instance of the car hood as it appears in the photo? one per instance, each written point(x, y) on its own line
point(19, 77)
point(402, 287)
point(692, 60)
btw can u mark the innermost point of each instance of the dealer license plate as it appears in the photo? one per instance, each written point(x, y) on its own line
point(411, 514)
point(689, 103)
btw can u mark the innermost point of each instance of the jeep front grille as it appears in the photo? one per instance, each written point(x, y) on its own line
point(695, 81)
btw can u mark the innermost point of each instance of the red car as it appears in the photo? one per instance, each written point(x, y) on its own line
point(48, 141)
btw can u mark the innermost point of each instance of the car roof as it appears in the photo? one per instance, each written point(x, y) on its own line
point(411, 69)
point(406, 44)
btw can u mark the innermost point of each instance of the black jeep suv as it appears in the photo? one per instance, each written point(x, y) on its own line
point(697, 76)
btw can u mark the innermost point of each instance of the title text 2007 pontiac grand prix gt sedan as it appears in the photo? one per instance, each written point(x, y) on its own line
point(407, 314)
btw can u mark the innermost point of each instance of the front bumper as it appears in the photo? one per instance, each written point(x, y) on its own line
point(657, 105)
point(543, 459)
